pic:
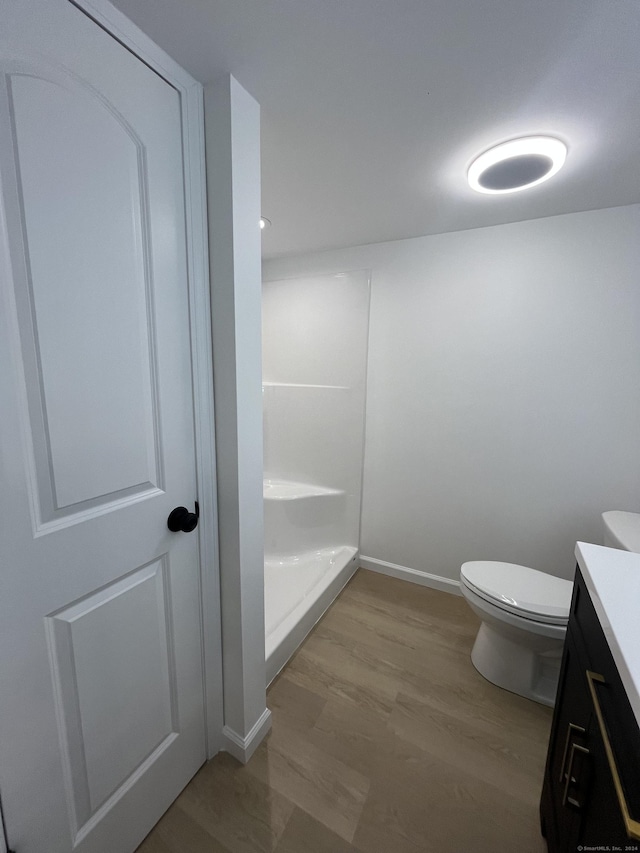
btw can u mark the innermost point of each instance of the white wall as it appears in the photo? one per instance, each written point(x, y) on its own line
point(503, 402)
point(232, 127)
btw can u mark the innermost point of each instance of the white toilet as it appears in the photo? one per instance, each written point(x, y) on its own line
point(524, 616)
point(622, 530)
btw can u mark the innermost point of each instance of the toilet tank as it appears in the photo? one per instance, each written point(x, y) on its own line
point(622, 530)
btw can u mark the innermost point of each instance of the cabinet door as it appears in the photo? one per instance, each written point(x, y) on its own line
point(567, 777)
point(604, 825)
point(613, 721)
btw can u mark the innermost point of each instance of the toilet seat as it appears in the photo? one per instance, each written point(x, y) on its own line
point(525, 592)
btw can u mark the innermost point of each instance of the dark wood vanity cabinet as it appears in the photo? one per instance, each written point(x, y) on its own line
point(591, 791)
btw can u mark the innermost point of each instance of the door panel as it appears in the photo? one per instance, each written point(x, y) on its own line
point(88, 389)
point(137, 685)
point(101, 699)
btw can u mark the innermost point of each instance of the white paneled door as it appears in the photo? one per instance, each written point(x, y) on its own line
point(101, 695)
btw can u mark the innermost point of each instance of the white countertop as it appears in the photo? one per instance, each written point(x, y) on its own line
point(613, 580)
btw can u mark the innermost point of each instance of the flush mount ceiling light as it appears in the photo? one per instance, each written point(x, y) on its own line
point(264, 223)
point(517, 165)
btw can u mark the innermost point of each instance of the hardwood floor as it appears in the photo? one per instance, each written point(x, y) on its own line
point(385, 740)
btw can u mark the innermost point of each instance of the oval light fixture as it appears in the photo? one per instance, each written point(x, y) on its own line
point(264, 223)
point(517, 165)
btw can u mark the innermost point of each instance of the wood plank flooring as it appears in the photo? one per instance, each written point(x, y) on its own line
point(385, 740)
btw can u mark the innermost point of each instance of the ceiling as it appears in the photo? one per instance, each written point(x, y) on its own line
point(373, 109)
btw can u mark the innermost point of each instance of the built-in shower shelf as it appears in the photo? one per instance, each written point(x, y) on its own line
point(299, 385)
point(286, 490)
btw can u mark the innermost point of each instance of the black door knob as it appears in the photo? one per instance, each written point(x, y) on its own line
point(180, 519)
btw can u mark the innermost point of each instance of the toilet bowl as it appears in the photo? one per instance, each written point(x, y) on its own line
point(524, 615)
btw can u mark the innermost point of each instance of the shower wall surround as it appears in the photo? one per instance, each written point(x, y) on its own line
point(315, 334)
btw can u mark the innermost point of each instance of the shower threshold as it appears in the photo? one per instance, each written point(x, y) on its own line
point(298, 590)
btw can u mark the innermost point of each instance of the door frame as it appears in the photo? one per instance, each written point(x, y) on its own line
point(192, 114)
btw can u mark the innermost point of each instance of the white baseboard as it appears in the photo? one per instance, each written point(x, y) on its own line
point(243, 748)
point(412, 575)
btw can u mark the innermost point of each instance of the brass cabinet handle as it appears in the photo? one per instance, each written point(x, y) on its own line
point(632, 826)
point(575, 747)
point(571, 728)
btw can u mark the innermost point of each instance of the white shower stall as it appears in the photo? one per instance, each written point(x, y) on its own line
point(315, 333)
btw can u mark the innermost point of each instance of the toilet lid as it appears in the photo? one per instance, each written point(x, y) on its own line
point(519, 589)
